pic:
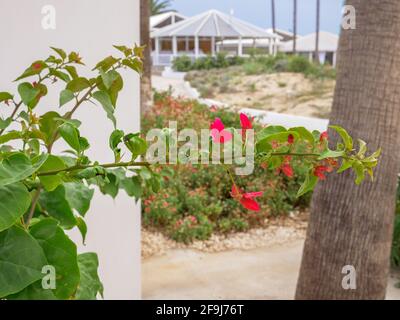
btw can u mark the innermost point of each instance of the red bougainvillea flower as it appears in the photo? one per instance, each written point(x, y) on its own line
point(246, 199)
point(287, 170)
point(218, 132)
point(290, 139)
point(319, 172)
point(245, 122)
point(323, 136)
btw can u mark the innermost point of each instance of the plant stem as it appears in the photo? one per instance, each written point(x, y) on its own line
point(33, 206)
point(106, 165)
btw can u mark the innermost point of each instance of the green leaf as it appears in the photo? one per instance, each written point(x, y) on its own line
point(115, 139)
point(331, 154)
point(359, 171)
point(35, 69)
point(71, 135)
point(82, 227)
point(106, 63)
point(346, 164)
point(347, 140)
point(134, 64)
point(132, 186)
point(78, 196)
point(78, 84)
point(109, 77)
point(14, 202)
point(308, 185)
point(5, 123)
point(48, 125)
point(105, 101)
point(72, 72)
point(66, 96)
point(57, 206)
point(60, 75)
point(90, 284)
point(33, 292)
point(60, 52)
point(61, 253)
point(265, 132)
point(21, 260)
point(304, 134)
point(52, 163)
point(136, 145)
point(18, 167)
point(28, 93)
point(12, 135)
point(4, 96)
point(362, 148)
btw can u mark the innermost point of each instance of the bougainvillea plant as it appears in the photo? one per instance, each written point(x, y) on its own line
point(43, 194)
point(277, 148)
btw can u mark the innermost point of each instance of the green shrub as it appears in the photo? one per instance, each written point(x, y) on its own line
point(182, 64)
point(299, 64)
point(203, 191)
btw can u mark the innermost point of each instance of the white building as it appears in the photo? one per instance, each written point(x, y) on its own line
point(328, 45)
point(165, 19)
point(198, 36)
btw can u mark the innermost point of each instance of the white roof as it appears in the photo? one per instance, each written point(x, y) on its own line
point(212, 24)
point(328, 42)
point(159, 18)
point(284, 32)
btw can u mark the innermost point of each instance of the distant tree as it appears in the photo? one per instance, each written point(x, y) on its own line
point(294, 25)
point(316, 55)
point(159, 6)
point(273, 15)
point(145, 85)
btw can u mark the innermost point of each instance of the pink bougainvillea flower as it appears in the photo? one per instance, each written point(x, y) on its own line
point(246, 199)
point(319, 172)
point(245, 122)
point(218, 132)
point(323, 136)
point(290, 139)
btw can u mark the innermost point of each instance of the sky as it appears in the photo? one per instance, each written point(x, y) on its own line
point(258, 12)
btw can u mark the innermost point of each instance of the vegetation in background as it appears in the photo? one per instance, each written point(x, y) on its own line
point(257, 64)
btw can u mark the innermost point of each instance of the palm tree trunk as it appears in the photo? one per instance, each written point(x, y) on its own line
point(352, 225)
point(273, 15)
point(294, 26)
point(145, 85)
point(316, 57)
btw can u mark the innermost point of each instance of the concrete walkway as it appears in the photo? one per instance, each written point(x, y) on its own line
point(264, 273)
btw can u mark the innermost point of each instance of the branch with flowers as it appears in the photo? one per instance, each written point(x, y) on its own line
point(277, 147)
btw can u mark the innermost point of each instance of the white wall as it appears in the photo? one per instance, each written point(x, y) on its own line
point(90, 27)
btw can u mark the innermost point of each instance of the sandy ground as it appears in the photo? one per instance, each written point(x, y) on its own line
point(289, 93)
point(263, 273)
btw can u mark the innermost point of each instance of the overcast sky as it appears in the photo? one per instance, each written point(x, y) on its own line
point(258, 12)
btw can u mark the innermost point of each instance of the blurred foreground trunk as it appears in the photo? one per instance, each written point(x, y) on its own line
point(145, 85)
point(349, 224)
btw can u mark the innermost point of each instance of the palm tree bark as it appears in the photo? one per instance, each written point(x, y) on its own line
point(352, 225)
point(316, 57)
point(294, 26)
point(273, 15)
point(145, 85)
